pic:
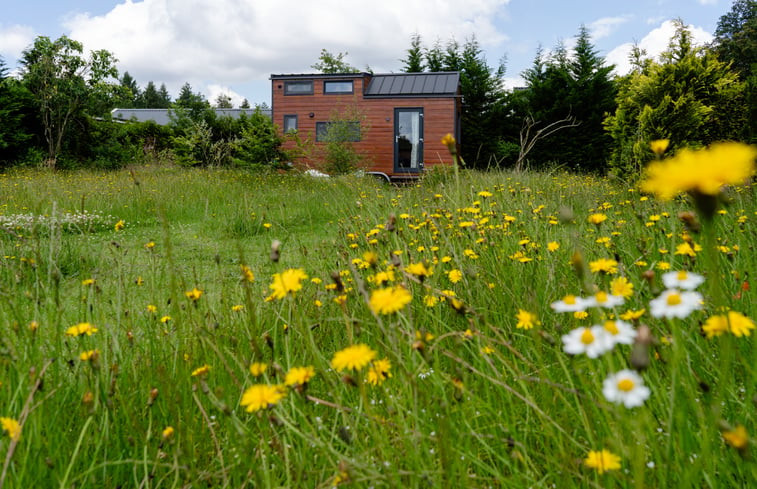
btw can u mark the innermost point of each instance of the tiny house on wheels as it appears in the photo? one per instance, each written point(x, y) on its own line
point(396, 121)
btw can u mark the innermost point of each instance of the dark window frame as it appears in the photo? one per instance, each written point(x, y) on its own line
point(320, 133)
point(296, 123)
point(290, 83)
point(331, 92)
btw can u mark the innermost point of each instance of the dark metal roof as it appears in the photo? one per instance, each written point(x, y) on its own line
point(414, 84)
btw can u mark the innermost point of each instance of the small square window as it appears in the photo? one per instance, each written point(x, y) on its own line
point(290, 123)
point(337, 87)
point(304, 87)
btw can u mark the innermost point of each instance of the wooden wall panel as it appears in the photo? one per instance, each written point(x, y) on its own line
point(377, 127)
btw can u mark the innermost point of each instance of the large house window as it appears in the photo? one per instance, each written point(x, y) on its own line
point(337, 87)
point(290, 123)
point(340, 131)
point(303, 87)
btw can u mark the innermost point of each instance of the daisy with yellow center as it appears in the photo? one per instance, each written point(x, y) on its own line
point(674, 303)
point(682, 280)
point(262, 396)
point(355, 357)
point(603, 299)
point(625, 387)
point(570, 303)
point(602, 461)
point(620, 332)
point(593, 341)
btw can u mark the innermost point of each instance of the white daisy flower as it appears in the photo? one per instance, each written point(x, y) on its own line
point(620, 332)
point(569, 303)
point(675, 304)
point(625, 387)
point(682, 280)
point(593, 341)
point(603, 299)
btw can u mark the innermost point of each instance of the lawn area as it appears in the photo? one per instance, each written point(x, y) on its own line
point(168, 327)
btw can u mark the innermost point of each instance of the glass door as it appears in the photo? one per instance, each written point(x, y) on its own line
point(408, 140)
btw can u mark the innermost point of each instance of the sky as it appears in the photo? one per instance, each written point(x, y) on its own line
point(233, 46)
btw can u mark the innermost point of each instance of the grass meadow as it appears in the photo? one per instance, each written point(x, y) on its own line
point(167, 327)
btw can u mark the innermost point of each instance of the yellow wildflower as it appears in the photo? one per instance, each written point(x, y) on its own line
point(621, 286)
point(738, 438)
point(379, 372)
point(526, 319)
point(200, 371)
point(703, 171)
point(354, 357)
point(194, 294)
point(258, 368)
point(299, 375)
point(11, 427)
point(658, 146)
point(119, 225)
point(602, 461)
point(80, 329)
point(389, 300)
point(261, 396)
point(288, 282)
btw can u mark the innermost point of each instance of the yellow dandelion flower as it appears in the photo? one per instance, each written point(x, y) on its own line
point(379, 372)
point(287, 282)
point(738, 437)
point(237, 307)
point(194, 294)
point(11, 427)
point(299, 375)
point(167, 432)
point(151, 308)
point(621, 286)
point(705, 171)
point(89, 281)
point(597, 219)
point(247, 273)
point(354, 357)
point(201, 371)
point(455, 276)
point(420, 270)
point(262, 396)
point(389, 300)
point(449, 141)
point(89, 355)
point(605, 265)
point(738, 324)
point(602, 461)
point(258, 368)
point(80, 329)
point(659, 146)
point(119, 225)
point(526, 319)
point(553, 246)
point(165, 319)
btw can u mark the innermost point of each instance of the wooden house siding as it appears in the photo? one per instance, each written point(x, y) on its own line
point(376, 115)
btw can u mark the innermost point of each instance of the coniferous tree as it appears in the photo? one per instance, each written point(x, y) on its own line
point(414, 63)
point(736, 42)
point(149, 98)
point(435, 57)
point(245, 104)
point(223, 101)
point(130, 91)
point(164, 98)
point(689, 97)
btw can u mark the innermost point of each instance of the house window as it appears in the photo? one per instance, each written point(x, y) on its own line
point(304, 87)
point(337, 87)
point(342, 131)
point(290, 123)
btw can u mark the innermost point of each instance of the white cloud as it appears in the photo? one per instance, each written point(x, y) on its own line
point(605, 26)
point(214, 90)
point(654, 43)
point(13, 40)
point(708, 2)
point(232, 42)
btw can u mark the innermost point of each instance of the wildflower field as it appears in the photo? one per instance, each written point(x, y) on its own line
point(166, 327)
